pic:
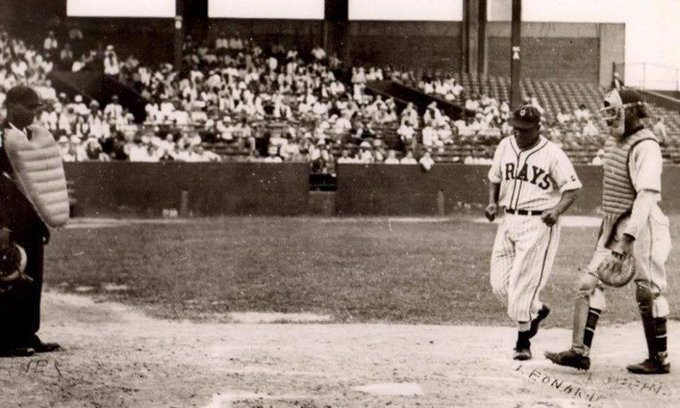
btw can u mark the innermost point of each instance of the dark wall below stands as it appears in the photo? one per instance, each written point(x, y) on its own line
point(145, 189)
point(134, 189)
point(409, 190)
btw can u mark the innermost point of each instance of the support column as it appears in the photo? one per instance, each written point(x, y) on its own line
point(179, 34)
point(482, 50)
point(336, 29)
point(515, 55)
point(471, 36)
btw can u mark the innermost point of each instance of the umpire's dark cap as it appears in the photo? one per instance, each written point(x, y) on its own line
point(525, 117)
point(22, 95)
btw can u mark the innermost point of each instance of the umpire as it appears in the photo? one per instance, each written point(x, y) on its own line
point(23, 226)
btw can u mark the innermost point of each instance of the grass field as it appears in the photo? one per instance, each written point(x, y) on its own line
point(357, 270)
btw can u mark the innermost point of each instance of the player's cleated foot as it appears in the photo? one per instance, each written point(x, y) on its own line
point(542, 314)
point(521, 354)
point(569, 358)
point(652, 365)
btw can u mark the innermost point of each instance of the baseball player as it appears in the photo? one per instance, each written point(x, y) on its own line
point(535, 182)
point(632, 224)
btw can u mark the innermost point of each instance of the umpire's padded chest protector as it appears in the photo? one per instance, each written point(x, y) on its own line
point(39, 172)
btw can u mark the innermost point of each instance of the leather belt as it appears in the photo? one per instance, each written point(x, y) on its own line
point(523, 212)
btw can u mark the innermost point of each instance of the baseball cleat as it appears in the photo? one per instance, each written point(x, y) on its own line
point(652, 365)
point(542, 314)
point(522, 354)
point(569, 358)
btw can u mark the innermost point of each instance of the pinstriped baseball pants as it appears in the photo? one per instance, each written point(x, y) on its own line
point(521, 262)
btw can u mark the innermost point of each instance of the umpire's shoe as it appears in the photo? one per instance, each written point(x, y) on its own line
point(39, 346)
point(542, 314)
point(653, 365)
point(16, 352)
point(569, 358)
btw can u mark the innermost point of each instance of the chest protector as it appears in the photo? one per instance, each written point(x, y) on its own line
point(39, 172)
point(618, 193)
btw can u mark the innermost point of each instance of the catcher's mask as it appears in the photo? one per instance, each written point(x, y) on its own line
point(617, 104)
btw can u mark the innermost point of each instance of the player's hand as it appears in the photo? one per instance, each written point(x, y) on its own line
point(491, 211)
point(550, 217)
point(624, 246)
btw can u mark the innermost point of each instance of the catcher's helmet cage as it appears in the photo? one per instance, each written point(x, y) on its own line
point(623, 99)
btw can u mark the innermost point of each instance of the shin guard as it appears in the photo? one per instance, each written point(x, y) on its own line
point(645, 299)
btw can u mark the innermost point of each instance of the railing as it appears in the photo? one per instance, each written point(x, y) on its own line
point(645, 75)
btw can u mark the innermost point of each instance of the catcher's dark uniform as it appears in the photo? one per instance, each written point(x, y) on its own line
point(20, 306)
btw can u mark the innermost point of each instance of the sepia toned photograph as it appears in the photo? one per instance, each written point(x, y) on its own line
point(339, 203)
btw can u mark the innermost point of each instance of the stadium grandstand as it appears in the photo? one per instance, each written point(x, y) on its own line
point(327, 86)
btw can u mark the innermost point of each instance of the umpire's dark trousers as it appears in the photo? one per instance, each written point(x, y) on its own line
point(20, 306)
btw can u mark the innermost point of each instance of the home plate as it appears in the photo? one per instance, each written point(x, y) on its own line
point(258, 317)
point(391, 389)
point(226, 399)
point(569, 221)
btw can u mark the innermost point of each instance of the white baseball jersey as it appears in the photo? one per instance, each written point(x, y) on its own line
point(525, 247)
point(531, 179)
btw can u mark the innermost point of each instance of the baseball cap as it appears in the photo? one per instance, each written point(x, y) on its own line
point(22, 95)
point(525, 117)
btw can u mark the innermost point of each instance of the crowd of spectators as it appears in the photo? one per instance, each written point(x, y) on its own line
point(272, 104)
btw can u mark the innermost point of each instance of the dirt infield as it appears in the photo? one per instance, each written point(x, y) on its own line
point(116, 356)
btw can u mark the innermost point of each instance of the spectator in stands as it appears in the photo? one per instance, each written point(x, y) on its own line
point(406, 134)
point(617, 82)
point(111, 64)
point(50, 44)
point(410, 114)
point(563, 117)
point(582, 114)
point(408, 158)
point(365, 155)
point(598, 160)
point(432, 114)
point(345, 157)
point(66, 57)
point(318, 53)
point(65, 149)
point(138, 150)
point(199, 154)
point(590, 130)
point(659, 130)
point(75, 37)
point(430, 137)
point(472, 104)
point(533, 101)
point(391, 157)
point(79, 106)
point(426, 161)
point(358, 82)
point(113, 111)
point(93, 150)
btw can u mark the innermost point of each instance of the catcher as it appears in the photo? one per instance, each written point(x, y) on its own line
point(33, 197)
point(634, 237)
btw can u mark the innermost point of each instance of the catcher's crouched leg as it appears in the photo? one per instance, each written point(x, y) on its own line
point(588, 305)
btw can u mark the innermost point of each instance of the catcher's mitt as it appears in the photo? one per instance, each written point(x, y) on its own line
point(616, 272)
point(12, 267)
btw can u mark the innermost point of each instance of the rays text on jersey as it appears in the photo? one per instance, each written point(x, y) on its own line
point(538, 176)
